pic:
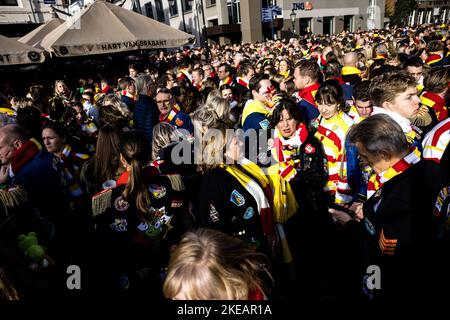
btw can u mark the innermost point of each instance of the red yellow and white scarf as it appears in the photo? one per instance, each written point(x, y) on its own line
point(242, 82)
point(227, 80)
point(377, 181)
point(172, 114)
point(283, 149)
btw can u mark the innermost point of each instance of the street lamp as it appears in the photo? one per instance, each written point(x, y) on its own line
point(293, 16)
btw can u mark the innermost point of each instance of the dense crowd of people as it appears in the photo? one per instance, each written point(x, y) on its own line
point(272, 170)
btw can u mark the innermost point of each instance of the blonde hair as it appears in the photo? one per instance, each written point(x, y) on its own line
point(163, 135)
point(113, 100)
point(214, 145)
point(210, 265)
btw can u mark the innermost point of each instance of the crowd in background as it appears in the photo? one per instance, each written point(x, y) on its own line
point(310, 158)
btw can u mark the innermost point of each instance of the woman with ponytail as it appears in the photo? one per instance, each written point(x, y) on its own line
point(135, 223)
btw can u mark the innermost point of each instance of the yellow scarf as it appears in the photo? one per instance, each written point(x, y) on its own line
point(350, 70)
point(261, 196)
point(254, 106)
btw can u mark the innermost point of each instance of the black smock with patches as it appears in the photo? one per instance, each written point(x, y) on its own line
point(128, 253)
point(225, 205)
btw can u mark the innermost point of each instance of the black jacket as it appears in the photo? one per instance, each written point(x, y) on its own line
point(398, 234)
point(225, 205)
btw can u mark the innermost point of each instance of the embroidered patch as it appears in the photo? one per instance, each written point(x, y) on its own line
point(387, 246)
point(248, 213)
point(119, 225)
point(165, 219)
point(157, 191)
point(176, 203)
point(309, 148)
point(143, 226)
point(158, 212)
point(154, 230)
point(179, 122)
point(237, 198)
point(120, 204)
point(265, 124)
point(335, 127)
point(213, 214)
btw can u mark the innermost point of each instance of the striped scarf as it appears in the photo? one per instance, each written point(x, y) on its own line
point(172, 114)
point(242, 82)
point(245, 174)
point(433, 59)
point(283, 149)
point(377, 181)
point(436, 141)
point(435, 102)
point(227, 80)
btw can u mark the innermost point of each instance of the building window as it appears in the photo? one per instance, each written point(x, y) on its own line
point(174, 9)
point(234, 11)
point(328, 25)
point(187, 6)
point(159, 10)
point(8, 3)
point(210, 3)
point(348, 23)
point(149, 10)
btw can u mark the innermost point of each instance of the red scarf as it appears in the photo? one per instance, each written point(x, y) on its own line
point(433, 59)
point(309, 93)
point(377, 181)
point(380, 56)
point(24, 154)
point(149, 172)
point(106, 89)
point(339, 79)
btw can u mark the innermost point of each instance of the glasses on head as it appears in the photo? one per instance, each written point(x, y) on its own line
point(161, 102)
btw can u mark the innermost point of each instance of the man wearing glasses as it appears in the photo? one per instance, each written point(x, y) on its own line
point(208, 72)
point(170, 112)
point(224, 73)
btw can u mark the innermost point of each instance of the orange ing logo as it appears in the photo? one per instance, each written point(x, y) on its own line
point(308, 6)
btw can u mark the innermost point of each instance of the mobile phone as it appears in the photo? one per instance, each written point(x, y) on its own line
point(341, 208)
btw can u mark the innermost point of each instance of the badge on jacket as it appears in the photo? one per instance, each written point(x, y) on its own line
point(213, 214)
point(157, 191)
point(309, 148)
point(237, 198)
